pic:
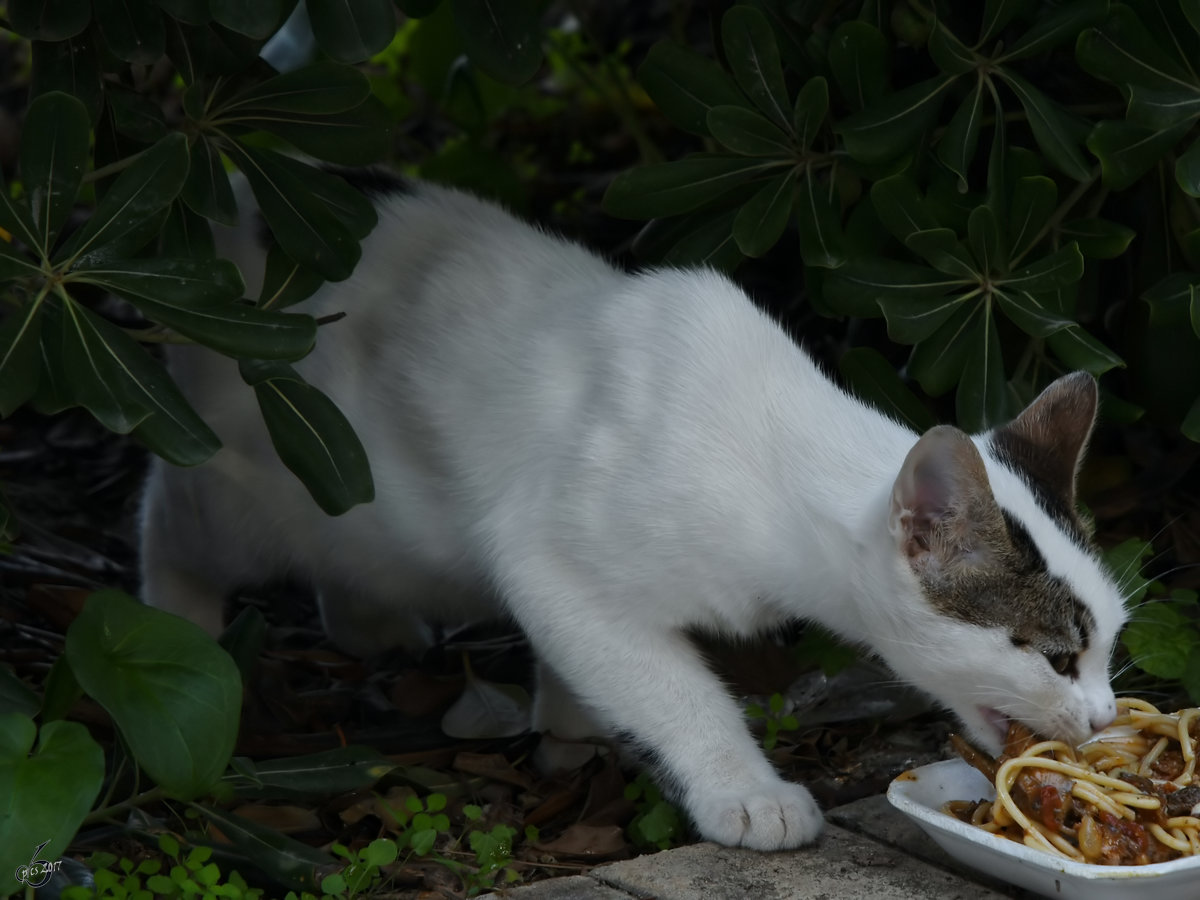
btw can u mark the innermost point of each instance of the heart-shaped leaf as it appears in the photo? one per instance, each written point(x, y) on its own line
point(174, 694)
point(44, 792)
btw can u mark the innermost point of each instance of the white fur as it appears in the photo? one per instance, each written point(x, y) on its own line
point(616, 458)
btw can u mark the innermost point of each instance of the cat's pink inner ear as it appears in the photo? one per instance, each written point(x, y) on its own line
point(940, 497)
point(1049, 438)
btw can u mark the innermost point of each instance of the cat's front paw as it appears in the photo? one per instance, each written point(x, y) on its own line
point(773, 815)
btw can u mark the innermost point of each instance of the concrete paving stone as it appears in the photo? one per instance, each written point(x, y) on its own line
point(574, 887)
point(842, 865)
point(878, 819)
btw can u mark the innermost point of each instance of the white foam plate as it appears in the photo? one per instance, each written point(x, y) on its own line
point(920, 793)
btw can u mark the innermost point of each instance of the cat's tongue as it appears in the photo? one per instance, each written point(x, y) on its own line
point(997, 720)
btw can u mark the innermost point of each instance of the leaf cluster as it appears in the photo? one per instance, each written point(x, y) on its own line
point(991, 180)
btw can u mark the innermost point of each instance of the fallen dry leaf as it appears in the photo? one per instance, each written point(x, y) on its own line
point(587, 842)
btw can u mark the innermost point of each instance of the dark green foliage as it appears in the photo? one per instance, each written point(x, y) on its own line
point(977, 175)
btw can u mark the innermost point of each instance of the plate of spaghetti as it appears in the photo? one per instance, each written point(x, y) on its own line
point(1073, 822)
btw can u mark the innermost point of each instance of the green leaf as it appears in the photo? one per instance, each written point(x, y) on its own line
point(318, 89)
point(858, 60)
point(97, 380)
point(355, 137)
point(856, 288)
point(133, 29)
point(258, 19)
point(950, 54)
point(747, 132)
point(502, 38)
point(900, 206)
point(819, 217)
point(207, 191)
point(136, 117)
point(145, 188)
point(1055, 270)
point(285, 281)
point(685, 85)
point(705, 239)
point(284, 859)
point(1159, 638)
point(983, 231)
point(1122, 51)
point(208, 50)
point(193, 12)
point(1079, 350)
point(911, 319)
point(763, 217)
point(892, 125)
point(873, 379)
point(303, 224)
point(1054, 25)
point(195, 297)
point(959, 141)
point(1127, 151)
point(980, 401)
point(1190, 426)
point(20, 359)
point(71, 66)
point(1098, 238)
point(54, 154)
point(1030, 314)
point(61, 692)
point(315, 775)
point(937, 362)
point(1034, 200)
point(44, 792)
point(753, 56)
point(673, 188)
point(1187, 170)
point(186, 233)
point(312, 437)
point(175, 696)
point(106, 368)
point(996, 15)
point(49, 20)
point(812, 106)
point(1051, 128)
point(942, 249)
point(352, 30)
point(1163, 109)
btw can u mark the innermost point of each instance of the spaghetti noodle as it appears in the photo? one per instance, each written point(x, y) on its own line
point(1129, 796)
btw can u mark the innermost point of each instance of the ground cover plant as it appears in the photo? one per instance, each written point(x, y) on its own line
point(948, 203)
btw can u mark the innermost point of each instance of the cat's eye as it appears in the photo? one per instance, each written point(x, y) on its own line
point(1062, 663)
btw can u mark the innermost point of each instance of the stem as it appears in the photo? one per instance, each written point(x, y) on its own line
point(111, 169)
point(1059, 214)
point(107, 812)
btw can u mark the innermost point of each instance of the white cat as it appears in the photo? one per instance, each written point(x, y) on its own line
point(617, 459)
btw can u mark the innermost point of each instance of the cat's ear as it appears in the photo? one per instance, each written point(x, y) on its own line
point(1049, 438)
point(942, 511)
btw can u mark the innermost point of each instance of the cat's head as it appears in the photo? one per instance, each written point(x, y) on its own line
point(1018, 615)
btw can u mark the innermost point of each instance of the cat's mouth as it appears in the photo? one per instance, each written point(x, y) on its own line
point(997, 721)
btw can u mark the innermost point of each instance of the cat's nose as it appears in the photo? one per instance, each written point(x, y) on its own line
point(1102, 720)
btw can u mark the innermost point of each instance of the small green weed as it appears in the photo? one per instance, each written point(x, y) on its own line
point(776, 719)
point(658, 823)
point(191, 876)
